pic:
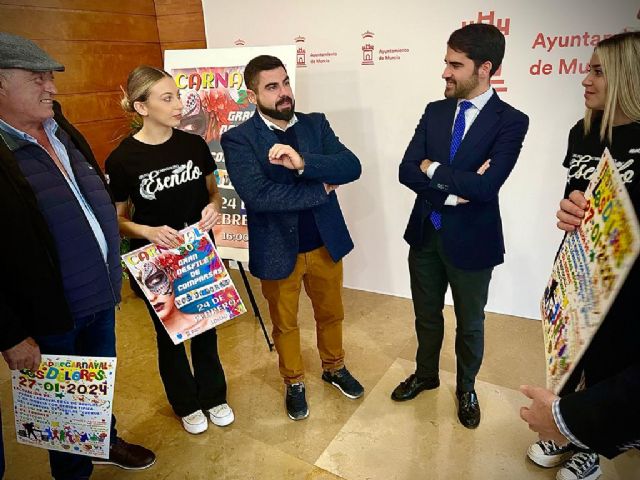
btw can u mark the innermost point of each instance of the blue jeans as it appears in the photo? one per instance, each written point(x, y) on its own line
point(94, 336)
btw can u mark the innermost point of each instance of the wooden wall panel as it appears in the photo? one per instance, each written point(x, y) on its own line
point(98, 66)
point(177, 7)
point(181, 27)
point(180, 24)
point(183, 45)
point(100, 42)
point(138, 7)
point(91, 107)
point(104, 136)
point(78, 25)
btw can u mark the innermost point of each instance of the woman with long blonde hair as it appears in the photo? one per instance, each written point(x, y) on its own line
point(597, 411)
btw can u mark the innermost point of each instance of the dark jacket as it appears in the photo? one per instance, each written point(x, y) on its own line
point(273, 195)
point(471, 233)
point(32, 298)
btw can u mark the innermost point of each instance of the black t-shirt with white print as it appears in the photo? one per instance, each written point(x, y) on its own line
point(584, 152)
point(165, 182)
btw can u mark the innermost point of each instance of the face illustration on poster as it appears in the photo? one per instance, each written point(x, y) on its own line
point(158, 287)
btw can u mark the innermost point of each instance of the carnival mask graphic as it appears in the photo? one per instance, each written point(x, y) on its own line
point(156, 280)
point(194, 118)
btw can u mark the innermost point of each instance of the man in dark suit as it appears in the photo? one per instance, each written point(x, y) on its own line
point(285, 166)
point(463, 150)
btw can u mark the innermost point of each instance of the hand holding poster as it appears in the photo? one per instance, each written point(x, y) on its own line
point(65, 404)
point(589, 270)
point(188, 286)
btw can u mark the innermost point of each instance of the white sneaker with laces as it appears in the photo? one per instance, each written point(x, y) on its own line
point(581, 466)
point(221, 415)
point(195, 422)
point(548, 454)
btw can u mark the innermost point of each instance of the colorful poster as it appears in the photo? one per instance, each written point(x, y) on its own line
point(188, 286)
point(591, 266)
point(214, 94)
point(65, 404)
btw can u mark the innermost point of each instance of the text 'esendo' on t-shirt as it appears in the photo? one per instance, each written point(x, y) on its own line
point(165, 182)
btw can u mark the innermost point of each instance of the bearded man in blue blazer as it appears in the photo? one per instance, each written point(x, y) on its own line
point(286, 166)
point(463, 150)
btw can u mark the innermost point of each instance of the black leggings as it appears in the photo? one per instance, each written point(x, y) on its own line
point(187, 390)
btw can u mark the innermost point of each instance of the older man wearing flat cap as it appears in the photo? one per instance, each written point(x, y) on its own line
point(59, 288)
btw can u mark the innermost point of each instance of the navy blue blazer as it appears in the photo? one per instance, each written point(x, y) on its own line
point(472, 232)
point(273, 195)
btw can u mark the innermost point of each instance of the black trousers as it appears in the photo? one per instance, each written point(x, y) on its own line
point(189, 390)
point(431, 273)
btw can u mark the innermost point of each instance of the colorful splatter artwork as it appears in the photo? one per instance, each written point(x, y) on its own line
point(589, 270)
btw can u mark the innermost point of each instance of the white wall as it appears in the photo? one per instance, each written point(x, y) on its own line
point(374, 110)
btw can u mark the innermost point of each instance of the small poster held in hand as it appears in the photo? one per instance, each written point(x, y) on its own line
point(188, 287)
point(65, 404)
point(590, 268)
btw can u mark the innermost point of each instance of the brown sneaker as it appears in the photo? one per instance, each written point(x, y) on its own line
point(128, 456)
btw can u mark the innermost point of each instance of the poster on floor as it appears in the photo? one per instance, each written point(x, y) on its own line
point(591, 266)
point(188, 286)
point(65, 404)
point(214, 94)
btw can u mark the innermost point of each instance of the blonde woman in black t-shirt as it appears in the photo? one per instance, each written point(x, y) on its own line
point(597, 411)
point(168, 177)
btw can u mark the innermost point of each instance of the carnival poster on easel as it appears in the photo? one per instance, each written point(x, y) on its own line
point(589, 270)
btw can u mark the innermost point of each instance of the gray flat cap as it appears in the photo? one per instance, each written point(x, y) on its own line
point(19, 52)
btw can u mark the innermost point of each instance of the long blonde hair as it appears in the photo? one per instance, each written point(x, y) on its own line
point(620, 60)
point(139, 84)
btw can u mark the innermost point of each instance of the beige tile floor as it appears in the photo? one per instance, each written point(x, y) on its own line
point(371, 438)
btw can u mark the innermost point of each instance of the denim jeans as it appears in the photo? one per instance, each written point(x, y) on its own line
point(93, 336)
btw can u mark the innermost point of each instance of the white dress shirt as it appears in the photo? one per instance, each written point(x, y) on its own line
point(273, 126)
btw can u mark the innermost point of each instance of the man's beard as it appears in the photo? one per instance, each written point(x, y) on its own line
point(462, 89)
point(276, 114)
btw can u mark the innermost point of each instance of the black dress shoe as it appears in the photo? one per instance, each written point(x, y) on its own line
point(127, 456)
point(412, 386)
point(468, 409)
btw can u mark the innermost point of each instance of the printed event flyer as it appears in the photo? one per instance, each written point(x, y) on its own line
point(65, 404)
point(214, 94)
point(188, 286)
point(589, 270)
point(215, 99)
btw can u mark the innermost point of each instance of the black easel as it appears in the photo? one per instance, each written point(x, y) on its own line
point(254, 305)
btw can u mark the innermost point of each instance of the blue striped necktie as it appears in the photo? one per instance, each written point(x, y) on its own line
point(456, 140)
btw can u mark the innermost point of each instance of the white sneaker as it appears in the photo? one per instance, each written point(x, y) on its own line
point(221, 415)
point(195, 422)
point(582, 466)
